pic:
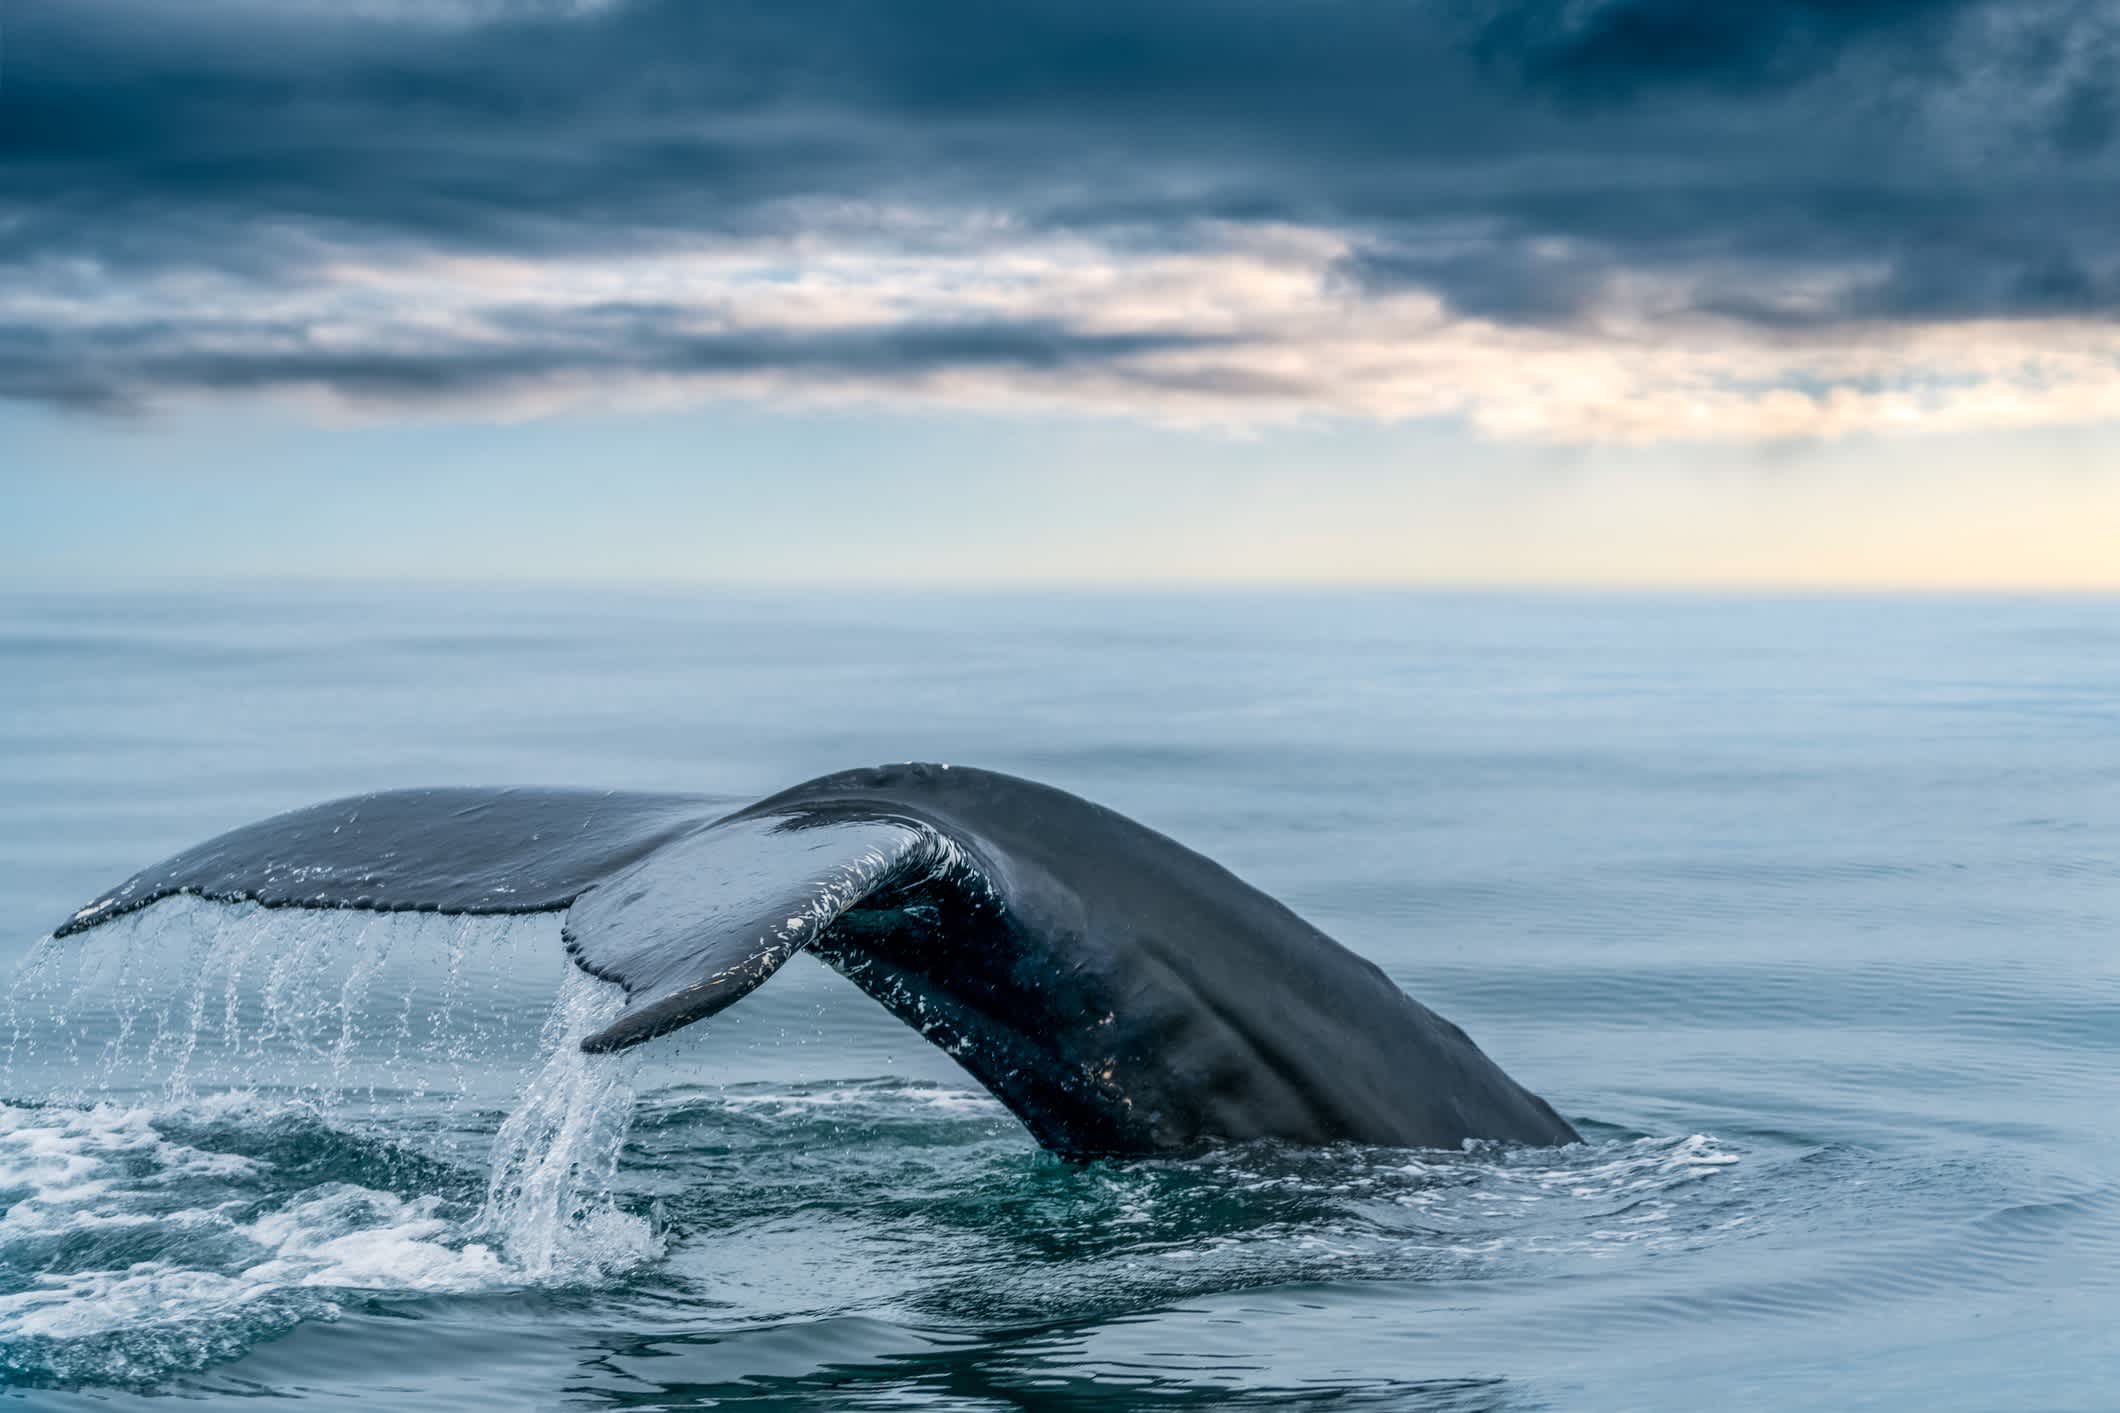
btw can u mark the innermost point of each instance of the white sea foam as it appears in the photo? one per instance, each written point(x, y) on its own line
point(348, 1237)
point(80, 1172)
point(886, 1094)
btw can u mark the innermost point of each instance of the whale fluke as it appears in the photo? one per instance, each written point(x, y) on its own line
point(1119, 992)
point(699, 923)
point(444, 851)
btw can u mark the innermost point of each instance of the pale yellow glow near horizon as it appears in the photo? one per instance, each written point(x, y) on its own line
point(1912, 518)
point(759, 503)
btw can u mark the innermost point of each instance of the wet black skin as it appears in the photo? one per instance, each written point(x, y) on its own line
point(1123, 994)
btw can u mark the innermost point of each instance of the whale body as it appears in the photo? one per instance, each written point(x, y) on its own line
point(1120, 993)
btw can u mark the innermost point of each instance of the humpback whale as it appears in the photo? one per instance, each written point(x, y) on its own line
point(1120, 993)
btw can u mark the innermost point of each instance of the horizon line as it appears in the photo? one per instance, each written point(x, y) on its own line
point(1115, 586)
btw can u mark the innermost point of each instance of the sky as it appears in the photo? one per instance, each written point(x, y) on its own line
point(1788, 294)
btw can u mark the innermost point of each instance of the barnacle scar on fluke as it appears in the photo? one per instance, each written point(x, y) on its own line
point(1120, 993)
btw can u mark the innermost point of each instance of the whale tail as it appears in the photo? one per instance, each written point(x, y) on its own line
point(686, 910)
point(1103, 981)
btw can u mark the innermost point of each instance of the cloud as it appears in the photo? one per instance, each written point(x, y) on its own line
point(506, 203)
point(1249, 326)
point(1592, 50)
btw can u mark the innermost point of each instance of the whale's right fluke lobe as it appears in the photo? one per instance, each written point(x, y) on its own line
point(697, 924)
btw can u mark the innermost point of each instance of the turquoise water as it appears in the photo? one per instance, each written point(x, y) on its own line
point(1807, 912)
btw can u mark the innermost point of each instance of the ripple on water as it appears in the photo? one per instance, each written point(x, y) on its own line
point(405, 1141)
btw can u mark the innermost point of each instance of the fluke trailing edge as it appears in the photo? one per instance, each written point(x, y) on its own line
point(1119, 992)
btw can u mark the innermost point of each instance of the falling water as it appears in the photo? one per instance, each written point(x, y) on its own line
point(548, 1203)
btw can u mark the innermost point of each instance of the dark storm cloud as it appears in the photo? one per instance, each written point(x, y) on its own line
point(1619, 49)
point(1938, 159)
point(106, 368)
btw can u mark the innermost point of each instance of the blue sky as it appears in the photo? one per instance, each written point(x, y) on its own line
point(1794, 294)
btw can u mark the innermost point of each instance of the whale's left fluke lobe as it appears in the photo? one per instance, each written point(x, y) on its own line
point(697, 924)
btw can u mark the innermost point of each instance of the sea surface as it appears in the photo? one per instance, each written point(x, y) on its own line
point(1805, 911)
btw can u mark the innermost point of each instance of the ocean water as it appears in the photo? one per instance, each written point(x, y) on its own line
point(1806, 911)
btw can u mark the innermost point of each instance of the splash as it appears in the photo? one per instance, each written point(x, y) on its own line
point(556, 1157)
point(218, 1123)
